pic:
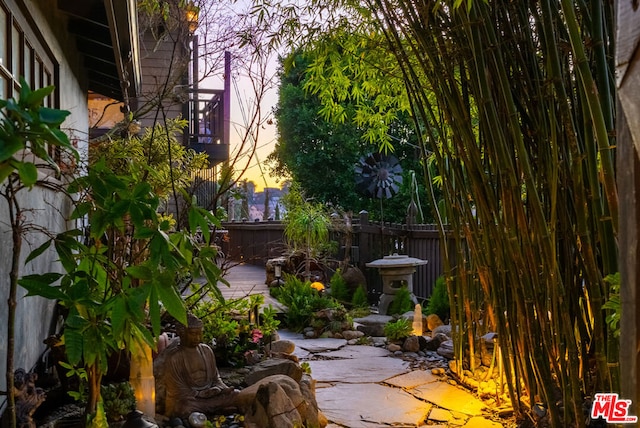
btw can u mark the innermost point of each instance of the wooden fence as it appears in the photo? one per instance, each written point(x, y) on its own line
point(257, 242)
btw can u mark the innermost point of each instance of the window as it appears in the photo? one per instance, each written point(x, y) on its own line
point(3, 30)
point(24, 53)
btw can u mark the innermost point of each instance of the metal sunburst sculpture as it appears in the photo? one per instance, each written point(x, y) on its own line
point(378, 175)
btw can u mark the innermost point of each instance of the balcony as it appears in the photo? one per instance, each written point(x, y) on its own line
point(206, 125)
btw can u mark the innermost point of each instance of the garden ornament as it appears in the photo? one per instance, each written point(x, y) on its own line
point(191, 379)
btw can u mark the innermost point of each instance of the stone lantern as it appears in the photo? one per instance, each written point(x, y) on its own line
point(396, 271)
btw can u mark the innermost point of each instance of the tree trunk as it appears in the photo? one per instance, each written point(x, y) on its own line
point(16, 235)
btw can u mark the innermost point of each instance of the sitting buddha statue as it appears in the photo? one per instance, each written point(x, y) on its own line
point(191, 379)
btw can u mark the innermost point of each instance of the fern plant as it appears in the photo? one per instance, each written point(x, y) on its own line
point(398, 330)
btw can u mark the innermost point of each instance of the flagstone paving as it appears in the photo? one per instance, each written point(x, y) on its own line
point(366, 386)
point(359, 386)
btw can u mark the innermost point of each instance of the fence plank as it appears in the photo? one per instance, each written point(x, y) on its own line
point(258, 242)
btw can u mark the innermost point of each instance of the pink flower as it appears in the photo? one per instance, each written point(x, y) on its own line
point(256, 335)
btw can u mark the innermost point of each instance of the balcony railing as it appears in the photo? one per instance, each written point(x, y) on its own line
point(206, 124)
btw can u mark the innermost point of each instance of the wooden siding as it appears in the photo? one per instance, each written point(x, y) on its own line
point(157, 60)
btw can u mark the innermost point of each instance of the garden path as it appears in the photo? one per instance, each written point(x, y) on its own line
point(367, 386)
point(245, 279)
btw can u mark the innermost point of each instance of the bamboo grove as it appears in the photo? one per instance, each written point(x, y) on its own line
point(514, 99)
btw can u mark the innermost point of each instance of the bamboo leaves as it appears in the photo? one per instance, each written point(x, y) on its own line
point(529, 184)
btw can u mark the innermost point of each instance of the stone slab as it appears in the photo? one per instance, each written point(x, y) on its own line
point(373, 319)
point(440, 415)
point(370, 406)
point(320, 345)
point(449, 397)
point(357, 351)
point(311, 345)
point(480, 422)
point(369, 370)
point(413, 379)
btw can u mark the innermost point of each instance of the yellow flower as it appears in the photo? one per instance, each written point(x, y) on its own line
point(317, 286)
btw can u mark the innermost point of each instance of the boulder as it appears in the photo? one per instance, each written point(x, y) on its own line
point(312, 415)
point(411, 344)
point(392, 347)
point(436, 340)
point(352, 334)
point(446, 349)
point(354, 278)
point(433, 321)
point(274, 366)
point(444, 329)
point(279, 401)
point(372, 325)
point(275, 407)
point(282, 346)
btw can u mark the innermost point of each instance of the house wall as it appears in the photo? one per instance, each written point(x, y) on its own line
point(49, 209)
point(165, 63)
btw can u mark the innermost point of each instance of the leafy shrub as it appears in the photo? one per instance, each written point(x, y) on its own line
point(227, 326)
point(439, 301)
point(398, 330)
point(302, 302)
point(339, 288)
point(360, 299)
point(401, 303)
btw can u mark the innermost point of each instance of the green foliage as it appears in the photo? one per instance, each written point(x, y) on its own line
point(339, 288)
point(118, 400)
point(306, 367)
point(309, 142)
point(28, 122)
point(122, 276)
point(374, 88)
point(81, 374)
point(227, 325)
point(306, 224)
point(401, 302)
point(360, 299)
point(29, 132)
point(302, 302)
point(398, 330)
point(439, 301)
point(269, 321)
point(146, 158)
point(613, 305)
